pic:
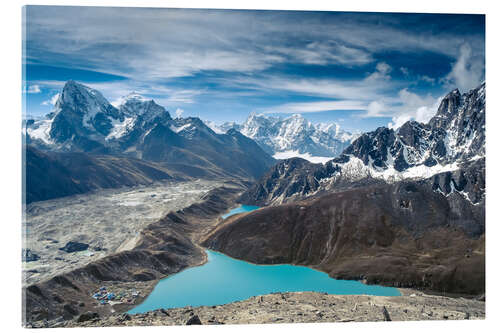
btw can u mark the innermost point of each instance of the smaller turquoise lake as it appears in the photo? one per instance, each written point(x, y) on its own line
point(240, 209)
point(224, 280)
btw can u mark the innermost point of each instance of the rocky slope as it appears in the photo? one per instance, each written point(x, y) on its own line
point(453, 140)
point(293, 134)
point(302, 307)
point(455, 133)
point(407, 234)
point(52, 175)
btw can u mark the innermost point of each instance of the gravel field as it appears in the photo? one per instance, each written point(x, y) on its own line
point(108, 221)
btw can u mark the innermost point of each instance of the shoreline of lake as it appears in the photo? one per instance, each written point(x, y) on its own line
point(226, 280)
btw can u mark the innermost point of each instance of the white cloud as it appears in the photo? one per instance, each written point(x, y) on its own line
point(32, 89)
point(467, 71)
point(364, 89)
point(169, 44)
point(242, 43)
point(425, 113)
point(412, 101)
point(398, 121)
point(427, 79)
point(321, 106)
point(322, 53)
point(52, 100)
point(413, 106)
point(179, 112)
point(375, 109)
point(381, 73)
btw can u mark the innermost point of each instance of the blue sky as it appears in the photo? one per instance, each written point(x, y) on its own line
point(362, 70)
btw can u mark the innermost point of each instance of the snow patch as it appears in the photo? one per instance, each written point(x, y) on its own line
point(355, 169)
point(120, 128)
point(41, 130)
point(133, 96)
point(214, 127)
point(307, 156)
point(179, 129)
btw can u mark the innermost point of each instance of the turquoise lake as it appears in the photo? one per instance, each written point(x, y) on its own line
point(224, 279)
point(240, 209)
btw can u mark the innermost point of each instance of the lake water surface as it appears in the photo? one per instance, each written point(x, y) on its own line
point(224, 279)
point(240, 209)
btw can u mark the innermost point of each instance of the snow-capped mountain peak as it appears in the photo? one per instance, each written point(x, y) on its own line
point(81, 114)
point(292, 136)
point(84, 101)
point(133, 97)
point(454, 135)
point(83, 119)
point(135, 104)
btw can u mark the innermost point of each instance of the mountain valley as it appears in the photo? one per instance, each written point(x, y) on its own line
point(397, 207)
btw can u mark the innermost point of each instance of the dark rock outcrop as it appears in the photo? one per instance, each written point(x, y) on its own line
point(455, 133)
point(74, 247)
point(194, 320)
point(28, 255)
point(87, 316)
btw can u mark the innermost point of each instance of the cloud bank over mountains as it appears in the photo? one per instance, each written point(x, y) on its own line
point(230, 63)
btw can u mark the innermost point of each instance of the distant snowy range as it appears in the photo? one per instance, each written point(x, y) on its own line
point(293, 136)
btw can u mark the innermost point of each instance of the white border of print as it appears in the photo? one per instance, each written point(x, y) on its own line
point(10, 115)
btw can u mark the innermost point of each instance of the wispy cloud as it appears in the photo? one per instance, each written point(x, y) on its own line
point(381, 73)
point(52, 100)
point(381, 64)
point(322, 106)
point(322, 53)
point(177, 43)
point(467, 71)
point(32, 89)
point(332, 88)
point(179, 112)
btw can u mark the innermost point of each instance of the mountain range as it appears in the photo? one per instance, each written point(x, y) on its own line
point(84, 122)
point(453, 140)
point(403, 208)
point(136, 128)
point(293, 136)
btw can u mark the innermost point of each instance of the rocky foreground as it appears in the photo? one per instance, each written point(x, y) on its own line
point(299, 307)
